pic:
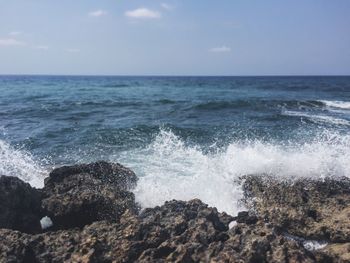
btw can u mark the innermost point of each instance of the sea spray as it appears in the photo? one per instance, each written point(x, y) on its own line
point(337, 104)
point(170, 169)
point(20, 163)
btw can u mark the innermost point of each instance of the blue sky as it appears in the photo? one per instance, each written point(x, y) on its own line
point(175, 37)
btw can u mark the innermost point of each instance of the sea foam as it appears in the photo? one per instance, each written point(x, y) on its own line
point(318, 118)
point(170, 169)
point(337, 104)
point(20, 163)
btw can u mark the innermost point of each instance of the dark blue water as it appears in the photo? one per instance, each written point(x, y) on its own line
point(197, 128)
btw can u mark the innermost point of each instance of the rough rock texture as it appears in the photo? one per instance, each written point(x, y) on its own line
point(335, 253)
point(307, 209)
point(312, 209)
point(96, 220)
point(75, 196)
point(175, 232)
point(19, 205)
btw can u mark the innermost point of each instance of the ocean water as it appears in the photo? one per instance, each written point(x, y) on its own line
point(185, 137)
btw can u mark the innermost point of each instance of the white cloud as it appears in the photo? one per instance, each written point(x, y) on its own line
point(41, 47)
point(142, 13)
point(220, 49)
point(98, 13)
point(15, 33)
point(72, 50)
point(167, 6)
point(11, 42)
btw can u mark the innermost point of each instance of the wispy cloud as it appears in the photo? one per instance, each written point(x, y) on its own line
point(15, 33)
point(221, 49)
point(143, 13)
point(42, 47)
point(72, 50)
point(11, 42)
point(167, 6)
point(98, 13)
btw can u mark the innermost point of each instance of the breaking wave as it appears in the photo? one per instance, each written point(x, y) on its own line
point(317, 118)
point(14, 162)
point(337, 104)
point(170, 169)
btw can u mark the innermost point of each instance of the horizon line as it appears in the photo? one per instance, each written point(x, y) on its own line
point(170, 75)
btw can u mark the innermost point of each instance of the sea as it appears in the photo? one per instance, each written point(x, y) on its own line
point(185, 137)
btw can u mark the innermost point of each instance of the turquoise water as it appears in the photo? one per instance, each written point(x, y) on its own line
point(185, 137)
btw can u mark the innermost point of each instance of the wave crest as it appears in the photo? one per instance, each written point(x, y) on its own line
point(337, 104)
point(21, 164)
point(170, 169)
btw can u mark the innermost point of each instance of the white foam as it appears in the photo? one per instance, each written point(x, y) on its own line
point(169, 169)
point(308, 244)
point(313, 245)
point(20, 163)
point(337, 104)
point(318, 118)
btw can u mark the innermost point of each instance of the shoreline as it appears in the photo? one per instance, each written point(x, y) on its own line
point(90, 215)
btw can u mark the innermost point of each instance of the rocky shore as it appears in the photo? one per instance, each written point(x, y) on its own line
point(88, 213)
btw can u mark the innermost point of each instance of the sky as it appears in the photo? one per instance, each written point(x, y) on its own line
point(175, 37)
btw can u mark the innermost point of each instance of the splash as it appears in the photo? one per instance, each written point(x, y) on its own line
point(316, 118)
point(170, 169)
point(337, 104)
point(19, 163)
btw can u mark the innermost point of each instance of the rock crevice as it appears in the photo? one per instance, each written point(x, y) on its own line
point(95, 219)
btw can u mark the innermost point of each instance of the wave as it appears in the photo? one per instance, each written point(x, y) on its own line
point(318, 118)
point(218, 105)
point(170, 169)
point(20, 163)
point(166, 101)
point(337, 104)
point(116, 86)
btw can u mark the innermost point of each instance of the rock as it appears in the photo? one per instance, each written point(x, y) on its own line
point(339, 253)
point(260, 242)
point(109, 173)
point(95, 219)
point(175, 232)
point(20, 207)
point(246, 217)
point(306, 208)
point(75, 196)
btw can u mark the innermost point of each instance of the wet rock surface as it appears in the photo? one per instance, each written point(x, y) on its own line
point(75, 196)
point(175, 232)
point(19, 205)
point(96, 219)
point(308, 209)
point(311, 209)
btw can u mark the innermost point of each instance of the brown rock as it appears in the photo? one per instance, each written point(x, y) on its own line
point(75, 196)
point(175, 232)
point(310, 209)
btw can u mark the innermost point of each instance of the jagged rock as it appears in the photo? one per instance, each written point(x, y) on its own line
point(175, 232)
point(260, 242)
point(246, 217)
point(95, 220)
point(306, 208)
point(78, 195)
point(19, 205)
point(337, 253)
